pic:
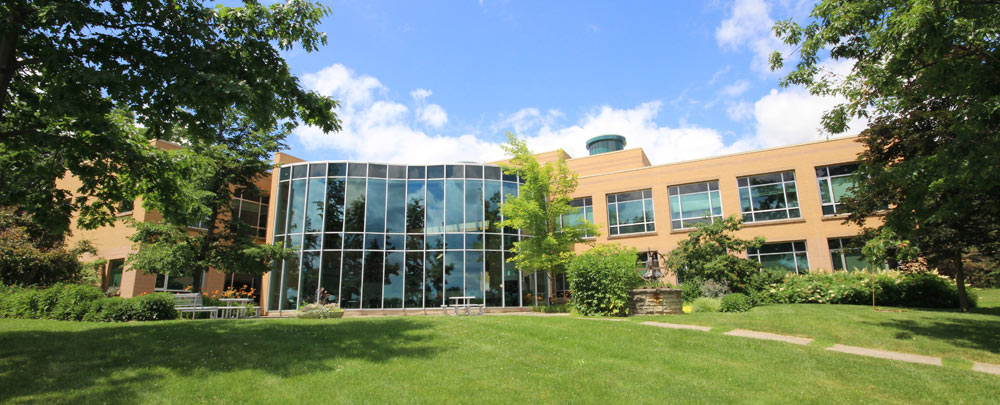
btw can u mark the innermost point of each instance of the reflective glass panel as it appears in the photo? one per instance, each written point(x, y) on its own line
point(330, 278)
point(395, 215)
point(371, 286)
point(393, 287)
point(354, 215)
point(296, 206)
point(414, 280)
point(350, 288)
point(415, 206)
point(375, 210)
point(314, 205)
point(334, 205)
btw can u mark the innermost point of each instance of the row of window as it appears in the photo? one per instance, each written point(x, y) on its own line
point(792, 256)
point(765, 197)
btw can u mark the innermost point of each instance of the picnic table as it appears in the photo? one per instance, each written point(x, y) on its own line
point(464, 302)
point(237, 307)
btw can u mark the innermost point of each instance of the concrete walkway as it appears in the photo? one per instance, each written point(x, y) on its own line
point(769, 336)
point(885, 354)
point(677, 326)
point(986, 368)
point(860, 351)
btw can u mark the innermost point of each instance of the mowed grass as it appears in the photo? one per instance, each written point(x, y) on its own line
point(487, 359)
point(960, 338)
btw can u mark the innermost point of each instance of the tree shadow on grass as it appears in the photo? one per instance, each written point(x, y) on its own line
point(107, 361)
point(967, 333)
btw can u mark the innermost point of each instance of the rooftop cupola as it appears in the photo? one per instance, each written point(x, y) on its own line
point(605, 143)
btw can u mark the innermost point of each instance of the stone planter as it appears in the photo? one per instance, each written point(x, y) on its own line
point(655, 301)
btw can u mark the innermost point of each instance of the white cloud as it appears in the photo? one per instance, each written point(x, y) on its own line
point(749, 26)
point(793, 116)
point(376, 128)
point(661, 143)
point(736, 89)
point(433, 115)
point(739, 111)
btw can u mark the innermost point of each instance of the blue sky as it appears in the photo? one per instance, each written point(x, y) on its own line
point(440, 81)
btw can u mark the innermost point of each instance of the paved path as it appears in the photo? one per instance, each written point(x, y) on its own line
point(986, 368)
point(860, 351)
point(885, 354)
point(677, 326)
point(769, 336)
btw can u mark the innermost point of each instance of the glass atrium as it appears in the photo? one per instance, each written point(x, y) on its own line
point(376, 236)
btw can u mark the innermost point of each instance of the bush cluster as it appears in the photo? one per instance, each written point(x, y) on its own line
point(72, 302)
point(924, 290)
point(601, 279)
point(320, 311)
point(737, 302)
point(706, 304)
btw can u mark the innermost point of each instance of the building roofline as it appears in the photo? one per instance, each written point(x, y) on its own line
point(723, 156)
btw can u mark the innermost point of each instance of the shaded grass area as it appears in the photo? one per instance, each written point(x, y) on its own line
point(491, 359)
point(956, 336)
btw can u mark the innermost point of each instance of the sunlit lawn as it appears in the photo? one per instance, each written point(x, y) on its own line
point(958, 337)
point(492, 359)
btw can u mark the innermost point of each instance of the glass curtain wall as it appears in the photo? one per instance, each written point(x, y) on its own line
point(375, 236)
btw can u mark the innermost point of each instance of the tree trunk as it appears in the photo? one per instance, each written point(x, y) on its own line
point(8, 48)
point(963, 298)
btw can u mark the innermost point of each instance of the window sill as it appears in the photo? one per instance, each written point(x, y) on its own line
point(682, 230)
point(632, 235)
point(835, 217)
point(124, 214)
point(774, 222)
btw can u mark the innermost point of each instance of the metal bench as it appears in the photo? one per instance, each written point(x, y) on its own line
point(191, 304)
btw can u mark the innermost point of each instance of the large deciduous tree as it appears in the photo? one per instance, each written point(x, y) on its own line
point(215, 171)
point(77, 77)
point(538, 209)
point(926, 74)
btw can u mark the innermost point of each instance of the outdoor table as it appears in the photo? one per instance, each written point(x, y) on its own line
point(461, 302)
point(234, 307)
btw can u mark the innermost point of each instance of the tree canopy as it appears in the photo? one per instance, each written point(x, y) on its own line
point(77, 77)
point(538, 209)
point(215, 171)
point(926, 75)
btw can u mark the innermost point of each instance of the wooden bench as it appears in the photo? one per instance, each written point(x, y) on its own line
point(192, 304)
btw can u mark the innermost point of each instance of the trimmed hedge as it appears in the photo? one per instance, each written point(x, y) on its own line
point(71, 302)
point(920, 290)
point(706, 304)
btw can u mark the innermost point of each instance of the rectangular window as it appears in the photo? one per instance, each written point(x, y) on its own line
point(835, 182)
point(846, 254)
point(584, 210)
point(115, 267)
point(691, 204)
point(768, 197)
point(790, 256)
point(630, 212)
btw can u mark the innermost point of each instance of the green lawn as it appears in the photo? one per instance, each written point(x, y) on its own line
point(960, 338)
point(491, 359)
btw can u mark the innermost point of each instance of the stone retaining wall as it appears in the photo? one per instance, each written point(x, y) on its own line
point(655, 301)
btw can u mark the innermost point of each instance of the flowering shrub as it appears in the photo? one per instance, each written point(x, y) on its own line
point(927, 290)
point(320, 311)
